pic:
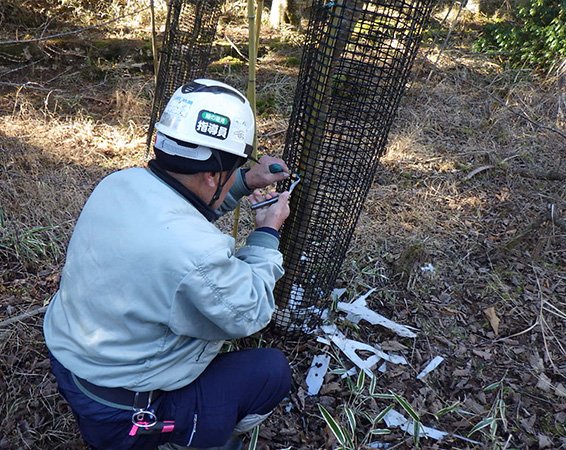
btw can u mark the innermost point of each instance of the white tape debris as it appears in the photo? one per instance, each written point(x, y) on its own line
point(296, 297)
point(349, 373)
point(358, 310)
point(396, 419)
point(323, 340)
point(349, 348)
point(430, 367)
point(337, 293)
point(294, 316)
point(315, 375)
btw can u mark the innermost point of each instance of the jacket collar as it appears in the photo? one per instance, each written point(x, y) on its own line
point(189, 195)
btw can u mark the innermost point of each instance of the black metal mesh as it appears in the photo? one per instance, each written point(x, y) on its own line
point(354, 69)
point(189, 33)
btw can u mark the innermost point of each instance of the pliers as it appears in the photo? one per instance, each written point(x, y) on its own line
point(296, 181)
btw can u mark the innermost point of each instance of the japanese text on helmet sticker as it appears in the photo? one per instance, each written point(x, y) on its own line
point(212, 124)
point(239, 130)
point(179, 106)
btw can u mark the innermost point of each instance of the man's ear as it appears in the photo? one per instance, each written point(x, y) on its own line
point(210, 178)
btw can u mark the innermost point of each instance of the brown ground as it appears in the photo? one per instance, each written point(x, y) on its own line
point(472, 184)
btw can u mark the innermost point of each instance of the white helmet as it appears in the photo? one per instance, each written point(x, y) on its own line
point(208, 114)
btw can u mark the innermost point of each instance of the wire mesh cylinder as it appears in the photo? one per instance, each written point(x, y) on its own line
point(190, 30)
point(354, 69)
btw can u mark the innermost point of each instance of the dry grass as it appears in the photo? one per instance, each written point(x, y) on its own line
point(487, 233)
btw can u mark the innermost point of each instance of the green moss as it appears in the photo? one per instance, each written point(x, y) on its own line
point(266, 104)
point(227, 63)
point(292, 61)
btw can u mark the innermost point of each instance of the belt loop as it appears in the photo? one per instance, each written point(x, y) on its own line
point(135, 405)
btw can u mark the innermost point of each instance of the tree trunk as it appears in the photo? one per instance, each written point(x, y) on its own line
point(284, 11)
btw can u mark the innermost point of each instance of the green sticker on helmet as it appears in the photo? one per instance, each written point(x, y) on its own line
point(212, 124)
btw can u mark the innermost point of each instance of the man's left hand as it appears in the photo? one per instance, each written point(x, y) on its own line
point(259, 176)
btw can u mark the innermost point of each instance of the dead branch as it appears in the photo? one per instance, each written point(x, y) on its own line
point(23, 316)
point(477, 170)
point(499, 100)
point(551, 175)
point(551, 215)
point(555, 219)
point(235, 47)
point(70, 33)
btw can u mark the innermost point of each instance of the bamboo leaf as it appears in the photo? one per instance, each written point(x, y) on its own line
point(448, 409)
point(380, 431)
point(502, 409)
point(385, 396)
point(372, 386)
point(333, 425)
point(366, 416)
point(407, 407)
point(253, 439)
point(488, 421)
point(477, 170)
point(360, 381)
point(382, 414)
point(492, 387)
point(351, 419)
point(417, 428)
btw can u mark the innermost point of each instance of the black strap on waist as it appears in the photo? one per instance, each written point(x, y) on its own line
point(119, 398)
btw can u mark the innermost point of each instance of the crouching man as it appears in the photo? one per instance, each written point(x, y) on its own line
point(151, 289)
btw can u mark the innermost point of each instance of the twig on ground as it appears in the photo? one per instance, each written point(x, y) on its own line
point(551, 216)
point(274, 133)
point(449, 34)
point(506, 338)
point(25, 66)
point(70, 33)
point(30, 85)
point(235, 47)
point(544, 328)
point(477, 170)
point(499, 100)
point(551, 175)
point(23, 316)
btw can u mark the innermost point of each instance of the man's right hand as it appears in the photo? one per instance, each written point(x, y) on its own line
point(274, 215)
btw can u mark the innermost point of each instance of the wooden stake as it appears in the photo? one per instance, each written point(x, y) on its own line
point(154, 41)
point(253, 40)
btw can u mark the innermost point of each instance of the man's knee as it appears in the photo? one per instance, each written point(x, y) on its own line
point(278, 370)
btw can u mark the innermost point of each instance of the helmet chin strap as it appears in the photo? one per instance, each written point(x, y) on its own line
point(221, 183)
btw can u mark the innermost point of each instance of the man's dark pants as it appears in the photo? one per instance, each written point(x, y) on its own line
point(234, 385)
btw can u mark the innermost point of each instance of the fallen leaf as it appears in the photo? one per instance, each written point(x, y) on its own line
point(560, 390)
point(544, 382)
point(393, 346)
point(477, 170)
point(482, 354)
point(331, 388)
point(461, 373)
point(493, 319)
point(544, 441)
point(528, 424)
point(536, 362)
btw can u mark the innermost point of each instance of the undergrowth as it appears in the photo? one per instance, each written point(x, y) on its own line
point(535, 38)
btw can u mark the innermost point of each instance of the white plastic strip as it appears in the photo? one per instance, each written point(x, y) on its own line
point(359, 311)
point(315, 375)
point(430, 367)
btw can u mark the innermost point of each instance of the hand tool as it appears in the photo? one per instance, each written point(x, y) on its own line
point(274, 199)
point(275, 168)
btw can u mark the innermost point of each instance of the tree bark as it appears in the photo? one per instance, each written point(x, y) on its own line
point(285, 11)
